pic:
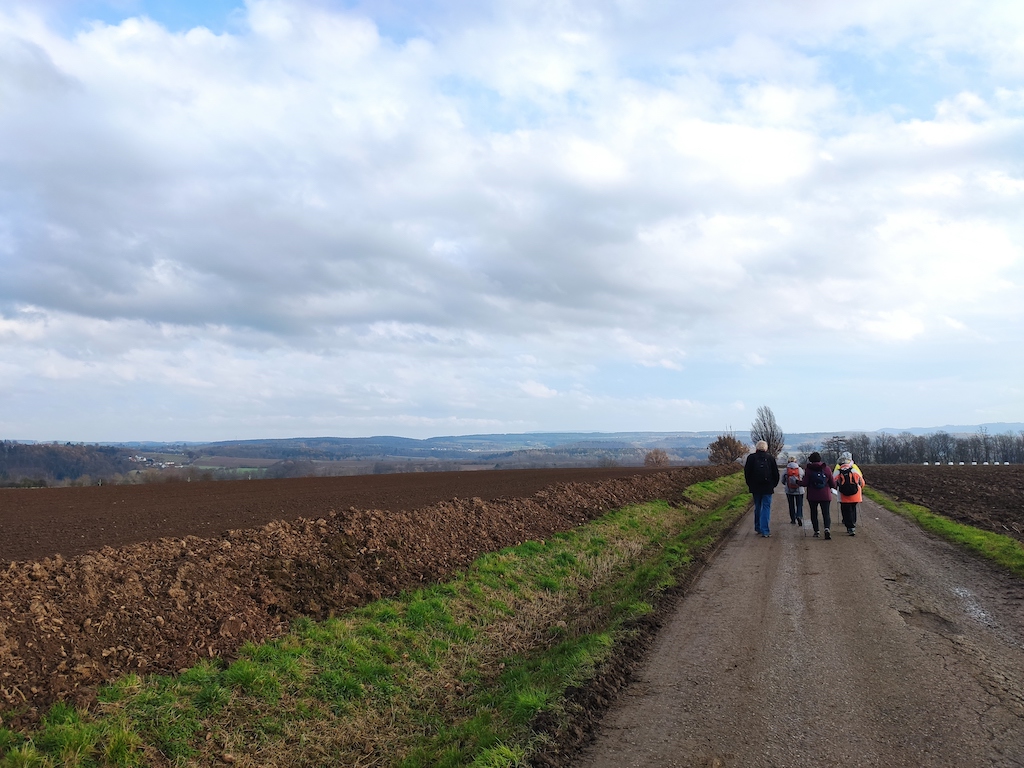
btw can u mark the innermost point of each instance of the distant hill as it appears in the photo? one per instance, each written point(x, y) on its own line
point(516, 449)
point(993, 428)
point(506, 449)
point(52, 463)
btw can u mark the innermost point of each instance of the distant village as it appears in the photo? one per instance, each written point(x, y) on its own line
point(150, 463)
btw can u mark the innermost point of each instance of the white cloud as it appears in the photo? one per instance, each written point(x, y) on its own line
point(536, 389)
point(345, 228)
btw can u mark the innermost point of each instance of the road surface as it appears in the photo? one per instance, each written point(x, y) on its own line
point(890, 648)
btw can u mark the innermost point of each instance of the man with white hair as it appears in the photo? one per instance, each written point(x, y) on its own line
point(762, 475)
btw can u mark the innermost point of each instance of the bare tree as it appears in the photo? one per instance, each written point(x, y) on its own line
point(859, 445)
point(940, 446)
point(1004, 447)
point(804, 450)
point(656, 458)
point(726, 449)
point(985, 439)
point(766, 428)
point(832, 447)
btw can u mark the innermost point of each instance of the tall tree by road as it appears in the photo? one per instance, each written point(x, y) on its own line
point(766, 428)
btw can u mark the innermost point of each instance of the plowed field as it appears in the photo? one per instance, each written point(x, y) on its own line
point(987, 497)
point(151, 578)
point(41, 522)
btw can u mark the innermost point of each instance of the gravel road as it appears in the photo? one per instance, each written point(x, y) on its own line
point(890, 648)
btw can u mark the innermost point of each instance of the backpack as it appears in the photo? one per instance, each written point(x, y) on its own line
point(816, 478)
point(792, 478)
point(847, 485)
point(761, 469)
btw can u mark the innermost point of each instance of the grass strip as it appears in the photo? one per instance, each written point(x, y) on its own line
point(449, 675)
point(1003, 550)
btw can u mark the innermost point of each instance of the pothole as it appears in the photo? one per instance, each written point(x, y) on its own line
point(930, 621)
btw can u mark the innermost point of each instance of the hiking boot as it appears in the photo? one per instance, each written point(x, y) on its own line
point(827, 534)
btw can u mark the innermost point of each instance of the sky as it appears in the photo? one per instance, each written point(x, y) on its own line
point(279, 218)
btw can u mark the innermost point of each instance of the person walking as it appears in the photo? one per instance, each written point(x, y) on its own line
point(762, 475)
point(819, 482)
point(849, 482)
point(794, 491)
point(846, 455)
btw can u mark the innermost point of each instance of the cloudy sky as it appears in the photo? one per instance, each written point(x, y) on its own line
point(223, 219)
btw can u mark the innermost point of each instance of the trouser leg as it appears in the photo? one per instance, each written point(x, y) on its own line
point(825, 516)
point(766, 513)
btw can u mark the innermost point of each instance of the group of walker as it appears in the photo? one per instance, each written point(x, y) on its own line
point(816, 478)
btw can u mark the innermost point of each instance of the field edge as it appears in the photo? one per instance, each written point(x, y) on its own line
point(1004, 551)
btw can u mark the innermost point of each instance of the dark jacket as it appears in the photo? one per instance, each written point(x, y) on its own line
point(818, 494)
point(754, 474)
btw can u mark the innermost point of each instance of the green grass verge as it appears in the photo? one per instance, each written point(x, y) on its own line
point(450, 675)
point(1003, 550)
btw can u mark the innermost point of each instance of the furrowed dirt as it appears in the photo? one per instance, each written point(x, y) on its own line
point(42, 522)
point(986, 497)
point(73, 620)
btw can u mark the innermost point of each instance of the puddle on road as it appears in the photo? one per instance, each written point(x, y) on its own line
point(972, 607)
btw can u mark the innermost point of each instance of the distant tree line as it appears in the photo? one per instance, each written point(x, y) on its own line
point(41, 464)
point(905, 448)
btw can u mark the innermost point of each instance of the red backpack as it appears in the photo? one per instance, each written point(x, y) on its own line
point(792, 478)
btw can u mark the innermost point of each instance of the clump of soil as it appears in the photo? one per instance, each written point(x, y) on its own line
point(68, 624)
point(987, 497)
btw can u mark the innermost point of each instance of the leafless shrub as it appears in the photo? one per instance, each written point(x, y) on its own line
point(726, 449)
point(656, 458)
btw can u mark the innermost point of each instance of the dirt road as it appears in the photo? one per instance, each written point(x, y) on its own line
point(890, 648)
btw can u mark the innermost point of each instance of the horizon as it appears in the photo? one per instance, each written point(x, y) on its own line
point(964, 429)
point(249, 220)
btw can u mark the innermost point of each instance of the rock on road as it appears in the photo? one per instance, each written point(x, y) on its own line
point(890, 648)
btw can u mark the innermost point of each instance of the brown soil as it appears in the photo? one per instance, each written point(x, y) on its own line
point(41, 522)
point(152, 578)
point(987, 497)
